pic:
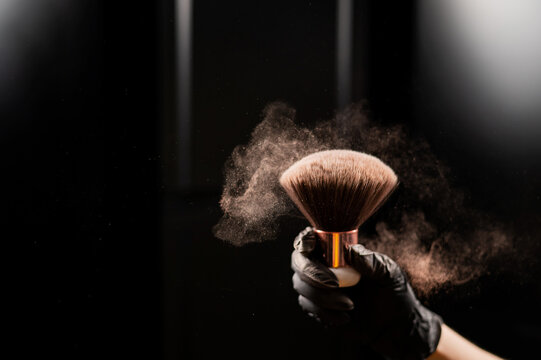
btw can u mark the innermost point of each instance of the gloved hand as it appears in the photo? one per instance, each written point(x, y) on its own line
point(382, 306)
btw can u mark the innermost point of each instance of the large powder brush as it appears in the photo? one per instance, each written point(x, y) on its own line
point(337, 191)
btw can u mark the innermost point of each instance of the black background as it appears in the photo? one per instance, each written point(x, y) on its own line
point(121, 264)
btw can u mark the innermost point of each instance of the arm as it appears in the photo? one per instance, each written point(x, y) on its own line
point(452, 346)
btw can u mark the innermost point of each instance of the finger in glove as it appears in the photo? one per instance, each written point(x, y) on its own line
point(312, 271)
point(375, 266)
point(323, 298)
point(327, 317)
point(305, 242)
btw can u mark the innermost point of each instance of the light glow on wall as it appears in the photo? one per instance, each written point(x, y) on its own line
point(484, 56)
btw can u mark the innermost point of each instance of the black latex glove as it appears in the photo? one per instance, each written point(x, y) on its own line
point(382, 306)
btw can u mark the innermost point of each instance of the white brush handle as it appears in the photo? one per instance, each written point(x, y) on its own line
point(347, 276)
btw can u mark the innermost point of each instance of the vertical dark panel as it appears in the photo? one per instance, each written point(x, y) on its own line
point(132, 179)
point(384, 54)
point(87, 156)
point(59, 153)
point(247, 54)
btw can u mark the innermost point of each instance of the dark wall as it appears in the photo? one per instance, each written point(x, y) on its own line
point(84, 97)
point(82, 137)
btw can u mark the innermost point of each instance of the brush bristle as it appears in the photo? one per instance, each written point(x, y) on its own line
point(337, 190)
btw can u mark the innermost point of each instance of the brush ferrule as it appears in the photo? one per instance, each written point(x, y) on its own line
point(334, 245)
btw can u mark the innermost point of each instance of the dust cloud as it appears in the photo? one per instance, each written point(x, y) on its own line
point(427, 226)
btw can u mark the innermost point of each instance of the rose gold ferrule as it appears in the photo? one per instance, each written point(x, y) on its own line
point(334, 245)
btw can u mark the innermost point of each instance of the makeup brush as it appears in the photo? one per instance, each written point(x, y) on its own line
point(337, 191)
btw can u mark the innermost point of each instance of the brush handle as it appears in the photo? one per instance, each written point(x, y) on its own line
point(346, 275)
point(334, 245)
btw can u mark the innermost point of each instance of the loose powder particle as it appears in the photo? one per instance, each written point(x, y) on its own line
point(452, 246)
